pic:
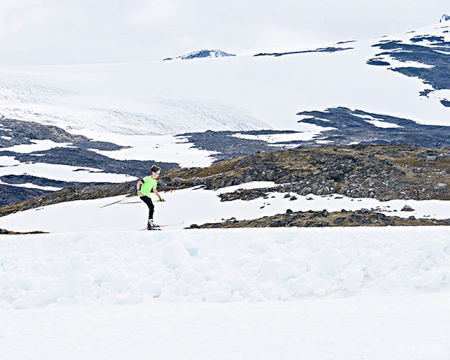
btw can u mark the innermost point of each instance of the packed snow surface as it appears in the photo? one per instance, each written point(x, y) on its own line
point(227, 294)
point(222, 265)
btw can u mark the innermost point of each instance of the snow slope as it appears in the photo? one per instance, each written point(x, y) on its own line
point(222, 266)
point(198, 206)
point(238, 93)
point(225, 294)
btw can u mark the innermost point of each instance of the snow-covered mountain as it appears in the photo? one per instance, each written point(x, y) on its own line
point(203, 54)
point(238, 93)
point(394, 88)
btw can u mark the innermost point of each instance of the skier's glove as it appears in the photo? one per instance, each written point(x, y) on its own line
point(162, 200)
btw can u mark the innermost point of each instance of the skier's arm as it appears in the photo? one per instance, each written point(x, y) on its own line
point(138, 187)
point(157, 194)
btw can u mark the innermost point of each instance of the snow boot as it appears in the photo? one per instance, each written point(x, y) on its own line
point(151, 225)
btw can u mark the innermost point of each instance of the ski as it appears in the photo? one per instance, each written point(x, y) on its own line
point(162, 226)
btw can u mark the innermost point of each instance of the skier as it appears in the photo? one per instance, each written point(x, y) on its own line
point(144, 188)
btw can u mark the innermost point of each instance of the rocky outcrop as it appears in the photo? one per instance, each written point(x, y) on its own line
point(8, 232)
point(202, 54)
point(380, 172)
point(431, 51)
point(17, 132)
point(444, 18)
point(329, 49)
point(71, 194)
point(383, 172)
point(363, 217)
point(78, 153)
point(357, 126)
point(342, 126)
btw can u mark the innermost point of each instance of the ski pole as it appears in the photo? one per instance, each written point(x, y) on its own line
point(117, 202)
point(139, 202)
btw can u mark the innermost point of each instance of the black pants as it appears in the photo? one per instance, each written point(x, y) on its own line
point(149, 203)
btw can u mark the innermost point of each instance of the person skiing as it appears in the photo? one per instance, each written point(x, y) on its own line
point(145, 187)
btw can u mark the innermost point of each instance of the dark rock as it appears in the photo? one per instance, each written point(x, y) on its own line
point(379, 216)
point(18, 132)
point(436, 73)
point(12, 194)
point(350, 126)
point(305, 191)
point(407, 208)
point(359, 219)
point(330, 49)
point(377, 62)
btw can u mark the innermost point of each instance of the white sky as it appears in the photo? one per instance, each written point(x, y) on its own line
point(83, 31)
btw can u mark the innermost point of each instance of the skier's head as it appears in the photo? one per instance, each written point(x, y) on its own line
point(155, 170)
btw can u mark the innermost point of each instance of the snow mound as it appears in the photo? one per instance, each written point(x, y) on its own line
point(221, 266)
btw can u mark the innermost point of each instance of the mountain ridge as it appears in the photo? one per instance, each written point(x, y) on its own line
point(200, 54)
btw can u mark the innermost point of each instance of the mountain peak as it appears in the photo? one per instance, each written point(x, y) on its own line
point(203, 54)
point(444, 17)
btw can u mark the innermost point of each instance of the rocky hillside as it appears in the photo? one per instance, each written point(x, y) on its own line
point(75, 150)
point(363, 217)
point(383, 172)
point(70, 194)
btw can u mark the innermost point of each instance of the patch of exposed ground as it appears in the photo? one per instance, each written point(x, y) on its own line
point(363, 217)
point(383, 172)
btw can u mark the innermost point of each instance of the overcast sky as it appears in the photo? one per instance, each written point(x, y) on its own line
point(83, 31)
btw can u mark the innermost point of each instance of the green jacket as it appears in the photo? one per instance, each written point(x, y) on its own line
point(148, 185)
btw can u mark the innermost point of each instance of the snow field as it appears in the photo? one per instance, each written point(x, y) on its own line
point(405, 327)
point(221, 266)
point(131, 214)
